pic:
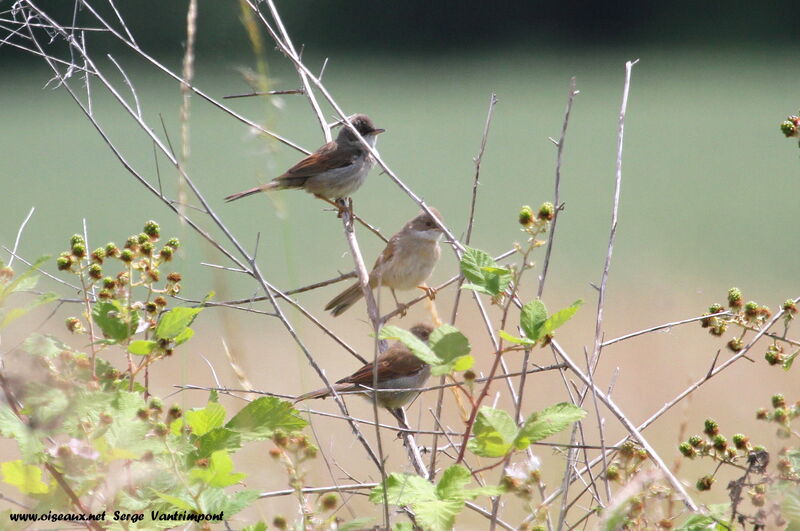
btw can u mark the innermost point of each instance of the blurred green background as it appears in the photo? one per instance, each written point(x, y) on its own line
point(709, 191)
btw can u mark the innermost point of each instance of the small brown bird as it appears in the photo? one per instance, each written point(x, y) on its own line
point(406, 262)
point(334, 171)
point(398, 368)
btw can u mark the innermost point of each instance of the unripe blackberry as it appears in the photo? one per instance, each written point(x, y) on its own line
point(146, 248)
point(711, 428)
point(719, 442)
point(735, 344)
point(789, 307)
point(778, 400)
point(132, 242)
point(166, 254)
point(174, 243)
point(741, 441)
point(154, 275)
point(112, 250)
point(98, 255)
point(143, 414)
point(735, 298)
point(762, 414)
point(779, 415)
point(150, 307)
point(525, 216)
point(109, 283)
point(329, 502)
point(788, 128)
point(546, 212)
point(95, 271)
point(751, 309)
point(715, 308)
point(160, 301)
point(74, 324)
point(687, 450)
point(279, 522)
point(79, 250)
point(704, 483)
point(469, 376)
point(174, 412)
point(152, 230)
point(156, 404)
point(612, 472)
point(76, 239)
point(174, 277)
point(142, 238)
point(161, 429)
point(696, 441)
point(64, 262)
point(126, 256)
point(105, 294)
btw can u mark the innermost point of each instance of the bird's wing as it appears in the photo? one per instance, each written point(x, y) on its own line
point(384, 258)
point(328, 157)
point(394, 363)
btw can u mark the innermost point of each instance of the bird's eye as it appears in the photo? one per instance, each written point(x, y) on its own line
point(429, 224)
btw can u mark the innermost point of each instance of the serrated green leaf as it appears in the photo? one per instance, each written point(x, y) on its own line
point(260, 418)
point(110, 317)
point(27, 478)
point(142, 347)
point(228, 504)
point(437, 515)
point(483, 273)
point(217, 439)
point(414, 344)
point(452, 483)
point(494, 433)
point(206, 419)
point(552, 420)
point(532, 319)
point(560, 317)
point(404, 489)
point(184, 336)
point(23, 281)
point(46, 346)
point(219, 472)
point(180, 503)
point(514, 339)
point(16, 313)
point(175, 321)
point(11, 426)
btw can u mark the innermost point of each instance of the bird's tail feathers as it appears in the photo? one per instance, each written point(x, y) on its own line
point(342, 302)
point(322, 392)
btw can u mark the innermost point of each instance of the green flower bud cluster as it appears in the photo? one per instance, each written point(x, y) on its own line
point(782, 414)
point(714, 445)
point(140, 259)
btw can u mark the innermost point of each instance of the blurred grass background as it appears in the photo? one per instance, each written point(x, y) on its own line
point(709, 200)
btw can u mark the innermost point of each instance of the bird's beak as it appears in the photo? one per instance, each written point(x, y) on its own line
point(378, 131)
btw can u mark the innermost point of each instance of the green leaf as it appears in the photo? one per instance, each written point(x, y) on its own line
point(560, 317)
point(494, 433)
point(787, 364)
point(260, 526)
point(552, 420)
point(404, 489)
point(452, 348)
point(217, 439)
point(23, 281)
point(219, 472)
point(204, 420)
point(403, 526)
point(483, 273)
point(230, 504)
point(414, 344)
point(260, 418)
point(435, 507)
point(184, 336)
point(179, 503)
point(16, 313)
point(437, 515)
point(359, 524)
point(142, 347)
point(110, 316)
point(11, 426)
point(532, 319)
point(174, 322)
point(27, 478)
point(45, 346)
point(517, 340)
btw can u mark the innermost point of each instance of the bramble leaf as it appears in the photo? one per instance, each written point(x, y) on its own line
point(260, 418)
point(553, 419)
point(27, 478)
point(483, 273)
point(173, 323)
point(494, 433)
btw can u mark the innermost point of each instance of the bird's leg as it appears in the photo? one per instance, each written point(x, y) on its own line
point(429, 291)
point(400, 306)
point(340, 204)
